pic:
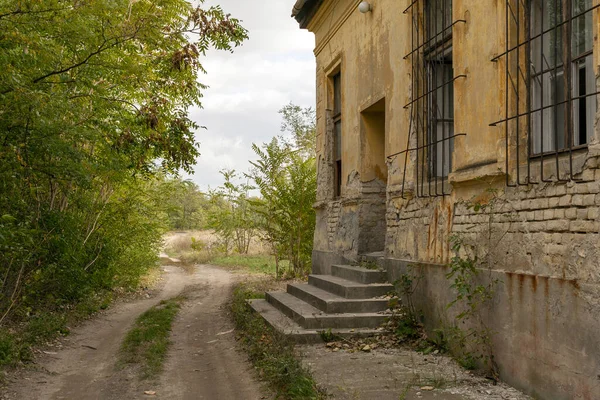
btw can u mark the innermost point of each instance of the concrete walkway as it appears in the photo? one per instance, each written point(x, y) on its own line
point(397, 374)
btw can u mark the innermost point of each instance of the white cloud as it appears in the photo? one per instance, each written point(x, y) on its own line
point(248, 87)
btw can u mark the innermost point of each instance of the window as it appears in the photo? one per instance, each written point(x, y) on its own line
point(550, 87)
point(432, 102)
point(337, 133)
point(562, 76)
point(440, 87)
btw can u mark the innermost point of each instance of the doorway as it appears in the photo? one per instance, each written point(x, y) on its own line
point(374, 178)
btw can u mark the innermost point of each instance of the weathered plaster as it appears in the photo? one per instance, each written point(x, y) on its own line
point(545, 241)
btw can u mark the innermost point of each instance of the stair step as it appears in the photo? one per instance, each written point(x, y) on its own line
point(375, 256)
point(310, 317)
point(292, 306)
point(349, 289)
point(359, 274)
point(286, 326)
point(333, 304)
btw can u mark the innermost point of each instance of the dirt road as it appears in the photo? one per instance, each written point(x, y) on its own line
point(203, 362)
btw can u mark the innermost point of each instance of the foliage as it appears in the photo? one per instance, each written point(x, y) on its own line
point(271, 352)
point(407, 285)
point(94, 100)
point(328, 336)
point(405, 317)
point(463, 275)
point(15, 344)
point(230, 215)
point(472, 344)
point(299, 123)
point(370, 265)
point(148, 341)
point(185, 206)
point(285, 174)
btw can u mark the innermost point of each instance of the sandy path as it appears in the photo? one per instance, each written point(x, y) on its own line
point(204, 363)
point(201, 364)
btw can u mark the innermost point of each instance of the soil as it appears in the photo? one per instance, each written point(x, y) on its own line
point(203, 362)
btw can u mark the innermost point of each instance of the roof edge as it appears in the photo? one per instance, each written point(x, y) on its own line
point(304, 10)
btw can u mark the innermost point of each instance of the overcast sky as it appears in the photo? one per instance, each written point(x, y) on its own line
point(248, 87)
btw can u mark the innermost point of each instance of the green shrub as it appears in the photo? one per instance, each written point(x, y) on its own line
point(8, 349)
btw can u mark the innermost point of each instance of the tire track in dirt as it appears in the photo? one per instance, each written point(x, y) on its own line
point(201, 364)
point(204, 362)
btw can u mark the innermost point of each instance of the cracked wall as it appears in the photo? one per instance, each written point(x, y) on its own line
point(548, 258)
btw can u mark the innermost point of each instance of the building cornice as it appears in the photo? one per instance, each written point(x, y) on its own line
point(304, 11)
point(324, 13)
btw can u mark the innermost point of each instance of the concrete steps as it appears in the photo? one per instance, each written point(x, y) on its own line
point(349, 289)
point(294, 331)
point(333, 304)
point(348, 302)
point(358, 274)
point(310, 317)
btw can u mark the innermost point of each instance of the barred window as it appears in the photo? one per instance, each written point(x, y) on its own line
point(559, 68)
point(550, 85)
point(432, 103)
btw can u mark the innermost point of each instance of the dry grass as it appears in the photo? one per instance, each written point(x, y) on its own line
point(203, 247)
point(178, 243)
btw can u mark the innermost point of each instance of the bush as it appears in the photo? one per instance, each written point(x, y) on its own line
point(8, 349)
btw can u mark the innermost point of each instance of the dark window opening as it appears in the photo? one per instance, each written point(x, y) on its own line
point(440, 88)
point(337, 137)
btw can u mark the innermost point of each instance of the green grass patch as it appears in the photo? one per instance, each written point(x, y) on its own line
point(271, 353)
point(262, 264)
point(146, 344)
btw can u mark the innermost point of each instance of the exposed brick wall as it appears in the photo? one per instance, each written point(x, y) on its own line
point(548, 229)
point(333, 219)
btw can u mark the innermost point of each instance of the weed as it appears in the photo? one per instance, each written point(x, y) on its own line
point(198, 245)
point(472, 346)
point(271, 353)
point(407, 285)
point(328, 336)
point(370, 265)
point(439, 339)
point(147, 342)
point(467, 361)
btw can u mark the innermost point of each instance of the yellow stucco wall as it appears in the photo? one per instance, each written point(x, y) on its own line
point(370, 50)
point(367, 48)
point(541, 233)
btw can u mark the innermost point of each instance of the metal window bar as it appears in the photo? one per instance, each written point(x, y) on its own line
point(524, 43)
point(431, 131)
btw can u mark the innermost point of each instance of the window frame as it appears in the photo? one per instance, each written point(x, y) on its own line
point(438, 52)
point(557, 119)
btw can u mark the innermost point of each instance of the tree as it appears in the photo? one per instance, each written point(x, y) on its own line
point(285, 174)
point(94, 99)
point(300, 124)
point(231, 217)
point(186, 206)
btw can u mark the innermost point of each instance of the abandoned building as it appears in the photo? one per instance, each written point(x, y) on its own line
point(470, 120)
